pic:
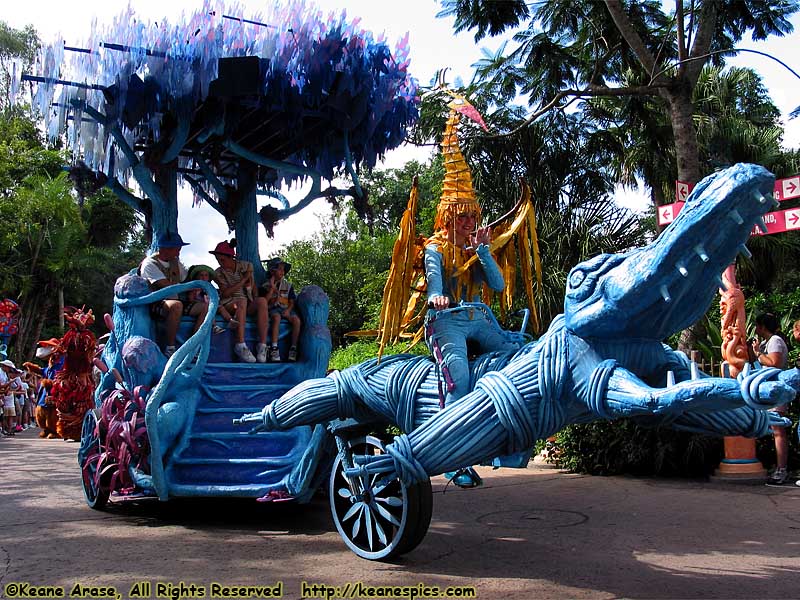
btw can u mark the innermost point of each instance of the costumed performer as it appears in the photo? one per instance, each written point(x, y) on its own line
point(448, 326)
point(45, 412)
point(73, 387)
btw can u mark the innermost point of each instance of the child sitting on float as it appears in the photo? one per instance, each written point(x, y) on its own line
point(205, 273)
point(280, 297)
point(235, 280)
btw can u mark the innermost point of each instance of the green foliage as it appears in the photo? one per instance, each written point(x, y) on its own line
point(613, 448)
point(351, 268)
point(360, 351)
point(16, 45)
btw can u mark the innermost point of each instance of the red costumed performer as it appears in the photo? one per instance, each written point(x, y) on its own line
point(73, 388)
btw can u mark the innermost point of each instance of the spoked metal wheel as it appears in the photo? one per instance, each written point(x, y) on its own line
point(377, 519)
point(96, 485)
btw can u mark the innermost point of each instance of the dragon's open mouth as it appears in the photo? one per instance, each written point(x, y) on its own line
point(669, 284)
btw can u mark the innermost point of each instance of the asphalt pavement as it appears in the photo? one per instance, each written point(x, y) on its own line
point(532, 533)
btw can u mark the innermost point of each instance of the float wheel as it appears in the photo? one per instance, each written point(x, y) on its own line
point(96, 485)
point(377, 519)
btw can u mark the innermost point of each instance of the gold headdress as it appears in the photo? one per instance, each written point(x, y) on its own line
point(401, 311)
point(458, 195)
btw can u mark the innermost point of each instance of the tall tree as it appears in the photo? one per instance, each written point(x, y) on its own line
point(582, 48)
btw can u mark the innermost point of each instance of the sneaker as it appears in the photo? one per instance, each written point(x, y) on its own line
point(274, 354)
point(797, 483)
point(18, 428)
point(261, 353)
point(216, 329)
point(778, 477)
point(465, 478)
point(243, 352)
point(169, 351)
point(292, 354)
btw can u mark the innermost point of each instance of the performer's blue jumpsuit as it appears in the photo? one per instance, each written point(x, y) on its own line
point(451, 328)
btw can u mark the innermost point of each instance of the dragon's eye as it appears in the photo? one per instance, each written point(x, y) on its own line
point(576, 278)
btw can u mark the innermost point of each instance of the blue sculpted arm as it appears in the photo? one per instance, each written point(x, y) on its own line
point(491, 272)
point(433, 272)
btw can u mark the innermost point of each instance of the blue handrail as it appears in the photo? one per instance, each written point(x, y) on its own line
point(189, 361)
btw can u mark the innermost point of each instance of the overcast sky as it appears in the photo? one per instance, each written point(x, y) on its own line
point(433, 46)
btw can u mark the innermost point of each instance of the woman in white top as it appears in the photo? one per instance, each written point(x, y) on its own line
point(772, 351)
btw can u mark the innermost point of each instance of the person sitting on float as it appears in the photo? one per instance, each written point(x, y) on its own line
point(281, 297)
point(236, 286)
point(163, 269)
point(205, 273)
point(448, 326)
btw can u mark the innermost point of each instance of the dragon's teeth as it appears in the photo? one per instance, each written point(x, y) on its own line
point(760, 197)
point(737, 218)
point(670, 379)
point(665, 293)
point(695, 372)
point(745, 252)
point(761, 225)
point(775, 203)
point(701, 252)
point(682, 270)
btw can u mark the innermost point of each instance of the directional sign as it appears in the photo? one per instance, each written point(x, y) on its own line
point(779, 221)
point(786, 189)
point(668, 212)
point(776, 222)
point(682, 190)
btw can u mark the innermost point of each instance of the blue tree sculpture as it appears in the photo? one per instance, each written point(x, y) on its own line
point(234, 107)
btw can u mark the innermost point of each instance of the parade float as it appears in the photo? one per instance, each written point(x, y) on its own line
point(235, 107)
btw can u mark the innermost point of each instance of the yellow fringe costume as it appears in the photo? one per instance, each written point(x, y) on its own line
point(402, 313)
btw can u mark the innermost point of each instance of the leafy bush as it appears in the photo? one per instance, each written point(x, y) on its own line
point(358, 352)
point(613, 448)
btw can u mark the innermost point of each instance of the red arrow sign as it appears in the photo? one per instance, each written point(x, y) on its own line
point(668, 212)
point(788, 188)
point(779, 221)
point(682, 190)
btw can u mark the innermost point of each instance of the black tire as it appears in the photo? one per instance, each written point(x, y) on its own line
point(96, 489)
point(377, 522)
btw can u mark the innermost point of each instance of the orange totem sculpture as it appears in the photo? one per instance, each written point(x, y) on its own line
point(740, 460)
point(733, 325)
point(73, 388)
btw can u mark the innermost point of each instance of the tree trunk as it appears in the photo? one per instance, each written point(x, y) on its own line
point(681, 112)
point(32, 317)
point(247, 221)
point(165, 214)
point(61, 324)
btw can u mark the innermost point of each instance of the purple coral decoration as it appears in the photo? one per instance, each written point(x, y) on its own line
point(131, 286)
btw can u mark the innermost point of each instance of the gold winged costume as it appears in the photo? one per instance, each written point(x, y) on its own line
point(404, 307)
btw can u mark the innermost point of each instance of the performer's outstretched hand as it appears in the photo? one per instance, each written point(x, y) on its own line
point(482, 236)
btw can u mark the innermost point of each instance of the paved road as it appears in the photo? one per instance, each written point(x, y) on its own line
point(537, 533)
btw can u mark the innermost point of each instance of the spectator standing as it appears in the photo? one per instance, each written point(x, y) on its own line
point(770, 350)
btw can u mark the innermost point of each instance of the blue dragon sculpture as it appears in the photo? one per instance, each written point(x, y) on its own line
point(602, 359)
